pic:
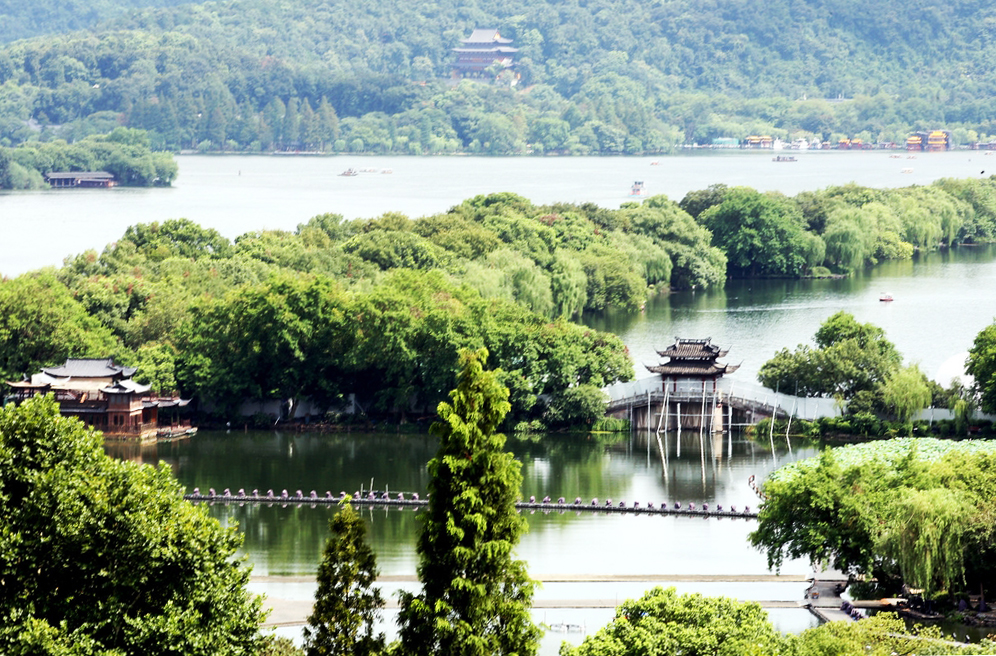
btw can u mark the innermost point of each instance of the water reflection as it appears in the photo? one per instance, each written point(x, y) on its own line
point(942, 300)
point(288, 539)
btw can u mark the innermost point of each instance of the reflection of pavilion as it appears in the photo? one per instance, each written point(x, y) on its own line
point(690, 382)
point(103, 395)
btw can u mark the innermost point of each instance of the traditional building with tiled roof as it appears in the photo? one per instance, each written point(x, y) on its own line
point(693, 358)
point(102, 394)
point(484, 49)
point(689, 380)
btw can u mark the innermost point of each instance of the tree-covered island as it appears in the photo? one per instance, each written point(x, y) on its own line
point(123, 153)
point(378, 308)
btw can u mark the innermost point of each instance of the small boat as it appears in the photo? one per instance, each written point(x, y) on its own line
point(885, 298)
point(906, 170)
point(784, 158)
point(638, 189)
point(348, 173)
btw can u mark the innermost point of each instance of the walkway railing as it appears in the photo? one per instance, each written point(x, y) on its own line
point(402, 500)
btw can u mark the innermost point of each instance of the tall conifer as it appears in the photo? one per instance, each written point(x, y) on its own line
point(475, 598)
point(346, 606)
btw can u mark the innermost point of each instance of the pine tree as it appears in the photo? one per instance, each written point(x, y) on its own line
point(475, 598)
point(346, 607)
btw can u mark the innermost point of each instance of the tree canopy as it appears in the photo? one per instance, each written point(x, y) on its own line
point(99, 556)
point(918, 511)
point(475, 597)
point(664, 622)
point(346, 604)
point(267, 75)
point(849, 357)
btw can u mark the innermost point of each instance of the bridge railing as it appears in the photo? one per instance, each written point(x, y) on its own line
point(636, 392)
point(800, 407)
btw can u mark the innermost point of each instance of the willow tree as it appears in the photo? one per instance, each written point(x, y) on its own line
point(926, 533)
point(475, 597)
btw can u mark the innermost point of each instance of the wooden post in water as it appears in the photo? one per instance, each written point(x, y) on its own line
point(677, 422)
point(648, 415)
point(789, 427)
point(660, 447)
point(771, 432)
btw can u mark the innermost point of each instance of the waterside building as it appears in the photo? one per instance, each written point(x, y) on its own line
point(104, 395)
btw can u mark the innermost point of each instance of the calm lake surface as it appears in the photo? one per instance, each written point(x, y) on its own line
point(287, 541)
point(942, 301)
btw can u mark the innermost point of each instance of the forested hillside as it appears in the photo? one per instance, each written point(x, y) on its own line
point(606, 76)
point(19, 20)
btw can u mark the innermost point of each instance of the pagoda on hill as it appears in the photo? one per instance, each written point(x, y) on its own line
point(479, 53)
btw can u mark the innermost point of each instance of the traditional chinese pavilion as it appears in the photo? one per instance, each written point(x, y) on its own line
point(102, 394)
point(689, 380)
point(480, 51)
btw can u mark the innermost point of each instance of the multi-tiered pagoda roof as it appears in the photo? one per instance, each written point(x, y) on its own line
point(693, 357)
point(481, 50)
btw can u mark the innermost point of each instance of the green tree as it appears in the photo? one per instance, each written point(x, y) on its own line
point(576, 406)
point(761, 234)
point(103, 556)
point(346, 606)
point(664, 622)
point(850, 357)
point(475, 598)
point(981, 365)
point(906, 392)
point(41, 324)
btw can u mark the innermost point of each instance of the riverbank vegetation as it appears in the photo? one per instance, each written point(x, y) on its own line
point(102, 556)
point(378, 308)
point(856, 365)
point(123, 152)
point(665, 622)
point(363, 76)
point(913, 511)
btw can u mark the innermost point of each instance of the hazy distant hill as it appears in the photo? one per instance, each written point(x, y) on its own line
point(23, 19)
point(602, 75)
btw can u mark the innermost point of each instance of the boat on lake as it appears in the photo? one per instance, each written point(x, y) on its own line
point(637, 189)
point(885, 298)
point(784, 158)
point(348, 173)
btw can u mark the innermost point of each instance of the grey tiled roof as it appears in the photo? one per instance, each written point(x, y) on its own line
point(90, 368)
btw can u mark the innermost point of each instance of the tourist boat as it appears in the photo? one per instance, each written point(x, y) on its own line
point(638, 189)
point(784, 158)
point(349, 173)
point(885, 298)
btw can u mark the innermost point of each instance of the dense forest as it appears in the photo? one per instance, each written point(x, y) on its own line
point(607, 76)
point(381, 307)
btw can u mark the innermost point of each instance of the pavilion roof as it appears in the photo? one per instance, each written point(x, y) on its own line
point(90, 368)
point(693, 368)
point(126, 386)
point(693, 357)
point(485, 35)
point(693, 349)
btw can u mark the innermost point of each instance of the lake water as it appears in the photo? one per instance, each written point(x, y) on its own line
point(237, 194)
point(942, 301)
point(287, 541)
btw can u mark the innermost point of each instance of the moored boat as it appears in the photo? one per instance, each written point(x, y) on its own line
point(348, 173)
